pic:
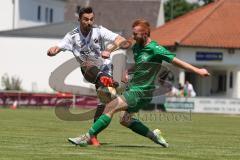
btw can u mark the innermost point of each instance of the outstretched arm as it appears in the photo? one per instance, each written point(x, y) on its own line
point(65, 44)
point(200, 71)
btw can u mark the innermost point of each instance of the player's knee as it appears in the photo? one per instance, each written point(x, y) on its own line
point(115, 106)
point(90, 73)
point(124, 123)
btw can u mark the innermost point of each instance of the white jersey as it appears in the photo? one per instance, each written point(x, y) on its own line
point(88, 49)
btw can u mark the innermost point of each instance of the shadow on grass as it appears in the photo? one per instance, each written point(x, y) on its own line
point(128, 146)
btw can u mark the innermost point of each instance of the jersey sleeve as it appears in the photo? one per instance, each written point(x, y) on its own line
point(66, 43)
point(164, 54)
point(107, 35)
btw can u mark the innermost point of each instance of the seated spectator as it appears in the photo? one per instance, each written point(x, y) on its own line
point(188, 90)
point(174, 92)
point(180, 90)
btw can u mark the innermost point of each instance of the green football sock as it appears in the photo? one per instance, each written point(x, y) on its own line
point(138, 127)
point(102, 123)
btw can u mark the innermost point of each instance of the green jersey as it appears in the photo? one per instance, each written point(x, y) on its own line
point(148, 61)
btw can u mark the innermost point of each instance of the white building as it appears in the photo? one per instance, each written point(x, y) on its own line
point(25, 13)
point(24, 54)
point(208, 37)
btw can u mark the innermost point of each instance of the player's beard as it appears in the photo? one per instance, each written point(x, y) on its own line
point(87, 28)
point(141, 41)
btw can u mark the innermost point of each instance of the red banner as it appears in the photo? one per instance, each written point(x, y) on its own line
point(45, 99)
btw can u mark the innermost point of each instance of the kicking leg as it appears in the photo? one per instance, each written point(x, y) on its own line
point(138, 127)
point(118, 104)
point(134, 124)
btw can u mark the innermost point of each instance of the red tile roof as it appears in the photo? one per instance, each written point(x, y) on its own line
point(216, 25)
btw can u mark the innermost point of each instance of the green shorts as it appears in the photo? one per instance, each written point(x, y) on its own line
point(136, 100)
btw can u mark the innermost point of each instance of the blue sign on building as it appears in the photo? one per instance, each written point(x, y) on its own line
point(209, 56)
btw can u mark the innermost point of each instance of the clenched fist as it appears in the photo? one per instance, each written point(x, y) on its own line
point(53, 51)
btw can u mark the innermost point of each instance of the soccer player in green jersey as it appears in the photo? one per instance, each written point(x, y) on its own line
point(148, 56)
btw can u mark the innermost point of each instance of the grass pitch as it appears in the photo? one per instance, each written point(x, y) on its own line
point(39, 134)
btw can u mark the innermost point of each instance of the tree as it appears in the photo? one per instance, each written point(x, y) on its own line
point(176, 8)
point(11, 83)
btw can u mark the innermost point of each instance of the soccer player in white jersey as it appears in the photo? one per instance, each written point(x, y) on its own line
point(86, 42)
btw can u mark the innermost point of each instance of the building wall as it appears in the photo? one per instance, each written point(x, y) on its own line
point(235, 90)
point(24, 13)
point(237, 83)
point(161, 15)
point(229, 63)
point(28, 60)
point(229, 59)
point(119, 15)
point(6, 16)
point(71, 9)
point(25, 7)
